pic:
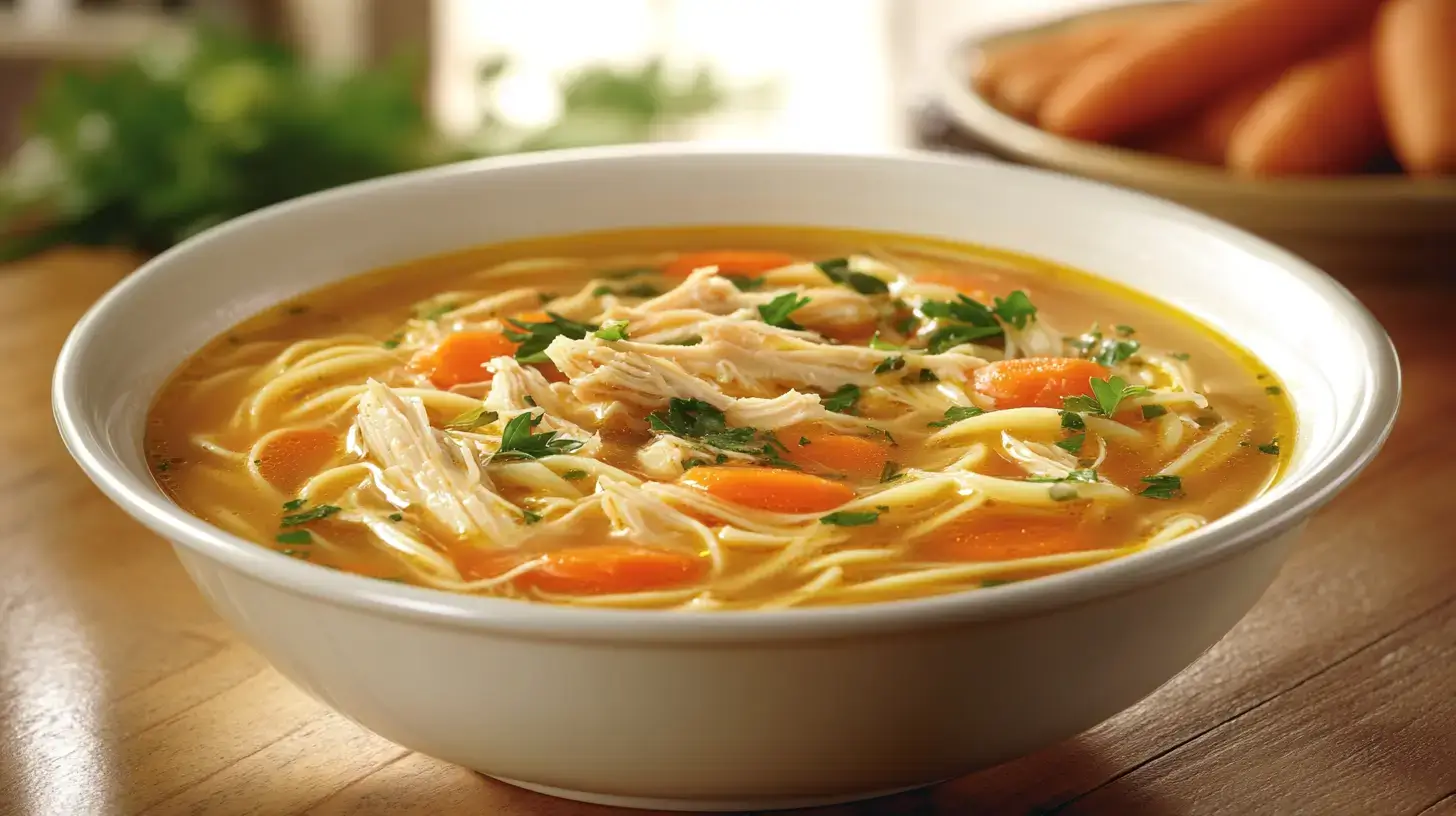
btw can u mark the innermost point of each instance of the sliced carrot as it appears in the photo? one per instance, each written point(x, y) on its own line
point(290, 457)
point(592, 570)
point(967, 285)
point(779, 491)
point(1320, 118)
point(1168, 72)
point(461, 357)
point(853, 456)
point(1415, 56)
point(1041, 382)
point(728, 261)
point(1006, 538)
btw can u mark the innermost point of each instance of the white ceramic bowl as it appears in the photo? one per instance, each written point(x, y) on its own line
point(751, 709)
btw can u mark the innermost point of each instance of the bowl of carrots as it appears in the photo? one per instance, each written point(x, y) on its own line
point(1333, 134)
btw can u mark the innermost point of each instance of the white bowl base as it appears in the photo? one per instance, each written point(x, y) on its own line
point(705, 805)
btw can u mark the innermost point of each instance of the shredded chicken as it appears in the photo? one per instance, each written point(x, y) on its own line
point(426, 467)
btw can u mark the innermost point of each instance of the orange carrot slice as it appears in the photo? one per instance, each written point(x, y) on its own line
point(1006, 538)
point(461, 357)
point(290, 457)
point(854, 456)
point(597, 569)
point(1040, 382)
point(728, 261)
point(779, 491)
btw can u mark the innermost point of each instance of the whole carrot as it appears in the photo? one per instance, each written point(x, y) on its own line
point(1205, 136)
point(1320, 118)
point(1415, 67)
point(1166, 74)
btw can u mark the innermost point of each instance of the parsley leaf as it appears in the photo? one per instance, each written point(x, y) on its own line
point(890, 364)
point(574, 475)
point(472, 419)
point(612, 330)
point(629, 272)
point(1153, 411)
point(948, 337)
point(1125, 330)
point(882, 345)
point(690, 340)
point(1106, 396)
point(1272, 448)
point(961, 310)
point(1273, 390)
point(890, 472)
point(845, 518)
point(843, 400)
point(1111, 352)
point(1084, 475)
point(530, 517)
point(294, 504)
point(688, 418)
point(739, 440)
point(776, 312)
point(640, 290)
point(1073, 444)
point(837, 270)
point(745, 284)
point(1072, 422)
point(955, 414)
point(928, 376)
point(535, 337)
point(1162, 487)
point(294, 537)
point(434, 310)
point(321, 511)
point(1016, 309)
point(518, 442)
point(1179, 355)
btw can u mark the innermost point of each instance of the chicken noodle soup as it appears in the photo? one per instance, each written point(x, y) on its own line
point(729, 418)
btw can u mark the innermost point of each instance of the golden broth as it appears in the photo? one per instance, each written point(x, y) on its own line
point(270, 409)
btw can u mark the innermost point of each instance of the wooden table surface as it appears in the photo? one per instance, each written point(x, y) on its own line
point(121, 692)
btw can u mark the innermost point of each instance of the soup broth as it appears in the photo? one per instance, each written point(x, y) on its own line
point(726, 418)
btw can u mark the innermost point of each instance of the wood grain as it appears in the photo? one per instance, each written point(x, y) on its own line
point(121, 693)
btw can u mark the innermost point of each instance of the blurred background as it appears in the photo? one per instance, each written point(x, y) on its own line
point(135, 123)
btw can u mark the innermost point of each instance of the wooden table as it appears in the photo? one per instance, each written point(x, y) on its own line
point(120, 692)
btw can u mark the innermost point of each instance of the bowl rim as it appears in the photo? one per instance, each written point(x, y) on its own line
point(1314, 483)
point(1000, 131)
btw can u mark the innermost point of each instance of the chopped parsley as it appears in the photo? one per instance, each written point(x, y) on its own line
point(1016, 309)
point(804, 440)
point(1084, 475)
point(890, 364)
point(535, 337)
point(518, 442)
point(776, 312)
point(396, 516)
point(530, 517)
point(883, 345)
point(629, 272)
point(947, 338)
point(393, 342)
point(695, 419)
point(612, 330)
point(843, 400)
point(302, 517)
point(472, 419)
point(1162, 487)
point(1073, 444)
point(574, 475)
point(690, 340)
point(640, 290)
point(882, 432)
point(906, 325)
point(928, 376)
point(1271, 448)
point(955, 414)
point(1072, 421)
point(745, 284)
point(837, 270)
point(1273, 390)
point(845, 518)
point(294, 537)
point(1124, 330)
point(1180, 355)
point(1110, 352)
point(294, 504)
point(1106, 396)
point(1153, 411)
point(890, 472)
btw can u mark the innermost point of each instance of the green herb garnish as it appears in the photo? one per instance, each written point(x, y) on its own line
point(843, 400)
point(1273, 390)
point(472, 419)
point(946, 338)
point(1153, 411)
point(431, 311)
point(890, 472)
point(518, 441)
point(535, 337)
point(955, 414)
point(574, 475)
point(294, 537)
point(837, 270)
point(640, 290)
point(1072, 422)
point(321, 511)
point(882, 345)
point(294, 504)
point(530, 517)
point(745, 284)
point(695, 419)
point(396, 516)
point(1016, 309)
point(1106, 396)
point(845, 518)
point(1111, 352)
point(393, 342)
point(890, 364)
point(776, 312)
point(1162, 487)
point(928, 376)
point(1125, 330)
point(690, 340)
point(1073, 444)
point(612, 330)
point(1180, 355)
point(1272, 448)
